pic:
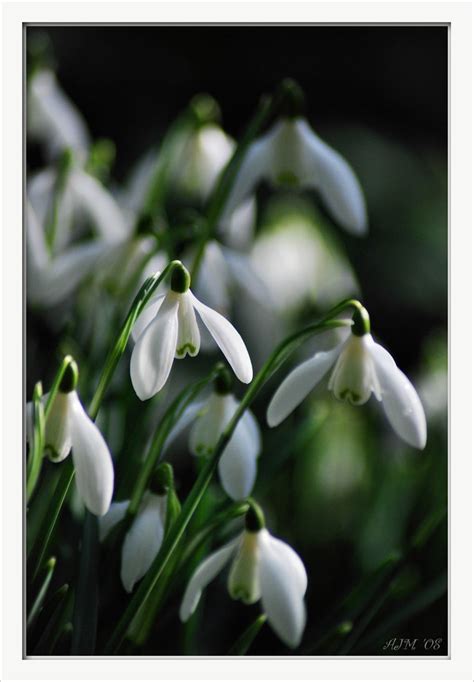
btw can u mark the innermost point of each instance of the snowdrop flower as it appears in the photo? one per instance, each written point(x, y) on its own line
point(53, 118)
point(262, 567)
point(291, 153)
point(55, 264)
point(167, 328)
point(238, 462)
point(360, 367)
point(69, 427)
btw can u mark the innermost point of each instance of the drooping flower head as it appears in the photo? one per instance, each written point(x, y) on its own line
point(144, 538)
point(238, 462)
point(360, 367)
point(69, 427)
point(291, 153)
point(168, 329)
point(262, 567)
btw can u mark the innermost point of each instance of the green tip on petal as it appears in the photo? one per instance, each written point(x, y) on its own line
point(70, 376)
point(254, 518)
point(163, 479)
point(360, 322)
point(180, 279)
point(293, 99)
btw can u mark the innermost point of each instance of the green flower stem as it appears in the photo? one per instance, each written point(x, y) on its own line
point(50, 622)
point(64, 168)
point(171, 541)
point(267, 107)
point(86, 596)
point(45, 533)
point(244, 642)
point(50, 519)
point(37, 445)
point(67, 360)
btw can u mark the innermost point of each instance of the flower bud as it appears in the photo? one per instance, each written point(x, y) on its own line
point(163, 479)
point(205, 109)
point(293, 99)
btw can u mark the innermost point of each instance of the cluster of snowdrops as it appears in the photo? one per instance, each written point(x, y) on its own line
point(179, 307)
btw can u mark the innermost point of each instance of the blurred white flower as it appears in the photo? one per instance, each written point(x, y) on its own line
point(167, 328)
point(361, 367)
point(238, 463)
point(52, 117)
point(292, 153)
point(265, 568)
point(144, 538)
point(314, 268)
point(57, 265)
point(69, 427)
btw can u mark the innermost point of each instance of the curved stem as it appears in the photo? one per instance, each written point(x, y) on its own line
point(171, 541)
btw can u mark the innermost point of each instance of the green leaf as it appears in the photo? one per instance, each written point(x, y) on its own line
point(244, 642)
point(87, 593)
point(39, 589)
point(37, 444)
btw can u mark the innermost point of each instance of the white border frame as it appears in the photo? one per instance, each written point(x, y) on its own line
point(458, 14)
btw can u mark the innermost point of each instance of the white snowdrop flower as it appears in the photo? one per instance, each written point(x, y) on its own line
point(168, 328)
point(69, 427)
point(291, 153)
point(53, 118)
point(262, 567)
point(57, 265)
point(360, 367)
point(238, 463)
point(203, 155)
point(144, 538)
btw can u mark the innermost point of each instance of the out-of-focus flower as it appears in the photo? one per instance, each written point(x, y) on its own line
point(69, 427)
point(52, 117)
point(360, 367)
point(291, 153)
point(315, 269)
point(168, 328)
point(59, 215)
point(263, 567)
point(143, 541)
point(238, 463)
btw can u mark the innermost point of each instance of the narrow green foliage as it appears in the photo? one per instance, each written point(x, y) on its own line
point(39, 590)
point(87, 592)
point(38, 441)
point(245, 641)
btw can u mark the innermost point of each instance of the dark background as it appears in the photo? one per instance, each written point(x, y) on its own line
point(379, 95)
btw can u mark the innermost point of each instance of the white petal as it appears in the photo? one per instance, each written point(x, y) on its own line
point(188, 415)
point(58, 428)
point(203, 575)
point(153, 354)
point(212, 284)
point(399, 399)
point(36, 250)
point(53, 116)
point(189, 338)
point(228, 339)
point(64, 274)
point(208, 427)
point(116, 513)
point(92, 461)
point(143, 541)
point(329, 172)
point(99, 206)
point(246, 277)
point(147, 315)
point(239, 228)
point(281, 580)
point(298, 384)
point(238, 465)
point(254, 167)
